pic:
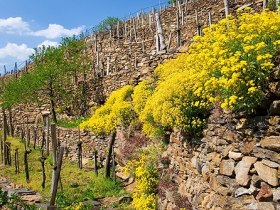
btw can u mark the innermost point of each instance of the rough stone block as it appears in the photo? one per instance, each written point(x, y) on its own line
point(242, 170)
point(227, 167)
point(272, 142)
point(267, 174)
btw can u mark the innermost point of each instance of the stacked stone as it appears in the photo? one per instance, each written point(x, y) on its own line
point(127, 59)
point(236, 165)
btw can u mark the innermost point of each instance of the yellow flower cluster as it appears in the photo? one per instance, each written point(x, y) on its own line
point(117, 111)
point(144, 169)
point(76, 206)
point(229, 65)
point(141, 93)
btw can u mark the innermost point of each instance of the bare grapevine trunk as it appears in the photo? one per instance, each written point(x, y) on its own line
point(109, 155)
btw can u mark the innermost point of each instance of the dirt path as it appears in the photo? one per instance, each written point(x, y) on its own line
point(28, 196)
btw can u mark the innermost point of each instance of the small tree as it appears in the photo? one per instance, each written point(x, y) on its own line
point(75, 52)
point(50, 78)
point(49, 70)
point(174, 1)
point(107, 24)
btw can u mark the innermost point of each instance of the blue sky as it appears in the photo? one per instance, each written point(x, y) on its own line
point(26, 24)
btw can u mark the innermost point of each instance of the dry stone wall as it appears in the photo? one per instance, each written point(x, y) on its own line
point(130, 52)
point(236, 165)
point(67, 137)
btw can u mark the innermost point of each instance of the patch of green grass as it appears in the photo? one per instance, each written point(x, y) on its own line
point(71, 123)
point(78, 185)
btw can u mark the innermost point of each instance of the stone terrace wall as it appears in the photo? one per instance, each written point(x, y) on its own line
point(236, 165)
point(69, 138)
point(128, 53)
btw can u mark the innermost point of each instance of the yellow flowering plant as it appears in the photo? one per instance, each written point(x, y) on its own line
point(144, 169)
point(117, 111)
point(230, 65)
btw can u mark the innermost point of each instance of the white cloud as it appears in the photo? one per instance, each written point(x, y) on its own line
point(14, 25)
point(20, 52)
point(56, 31)
point(48, 43)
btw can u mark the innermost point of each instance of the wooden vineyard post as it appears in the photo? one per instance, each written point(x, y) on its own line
point(109, 155)
point(54, 150)
point(34, 137)
point(16, 161)
point(178, 29)
point(28, 136)
point(2, 149)
point(22, 135)
point(26, 169)
point(210, 18)
point(58, 141)
point(113, 165)
point(57, 177)
point(226, 7)
point(199, 33)
point(8, 153)
point(159, 35)
point(11, 121)
point(265, 4)
point(4, 136)
point(43, 140)
point(48, 136)
point(79, 147)
point(143, 46)
point(42, 161)
point(95, 162)
point(79, 154)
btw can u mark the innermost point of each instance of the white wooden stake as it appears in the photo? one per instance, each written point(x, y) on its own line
point(226, 7)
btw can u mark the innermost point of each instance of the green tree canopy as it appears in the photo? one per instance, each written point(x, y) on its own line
point(107, 24)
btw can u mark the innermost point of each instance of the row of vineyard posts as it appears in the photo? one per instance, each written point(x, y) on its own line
point(49, 136)
point(127, 30)
point(80, 103)
point(50, 131)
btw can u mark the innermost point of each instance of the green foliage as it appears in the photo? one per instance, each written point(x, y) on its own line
point(108, 24)
point(53, 69)
point(17, 91)
point(175, 1)
point(71, 123)
point(87, 184)
point(3, 198)
point(62, 201)
point(13, 202)
point(272, 5)
point(117, 111)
